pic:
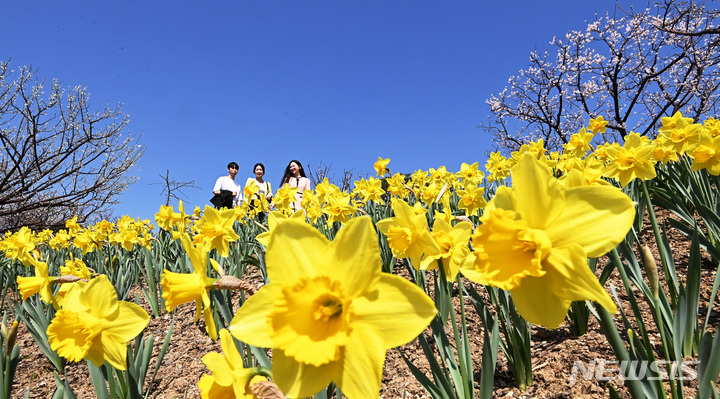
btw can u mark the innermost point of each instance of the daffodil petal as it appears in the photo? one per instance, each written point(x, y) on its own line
point(210, 323)
point(570, 277)
point(596, 217)
point(293, 252)
point(538, 197)
point(129, 321)
point(229, 348)
point(250, 323)
point(218, 366)
point(99, 297)
point(398, 310)
point(363, 359)
point(359, 268)
point(538, 304)
point(111, 348)
point(299, 380)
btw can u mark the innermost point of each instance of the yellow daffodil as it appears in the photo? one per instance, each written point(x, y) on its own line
point(632, 160)
point(274, 218)
point(469, 174)
point(680, 131)
point(665, 150)
point(535, 148)
point(77, 268)
point(179, 288)
point(372, 191)
point(453, 244)
point(165, 217)
point(60, 240)
point(229, 379)
point(94, 325)
point(323, 189)
point(329, 313)
point(104, 227)
point(72, 225)
point(381, 166)
point(706, 154)
point(216, 228)
point(397, 186)
point(20, 246)
point(497, 166)
point(598, 125)
point(39, 284)
point(86, 240)
point(45, 235)
point(712, 126)
point(125, 238)
point(536, 237)
point(579, 142)
point(471, 199)
point(408, 234)
point(338, 208)
point(284, 197)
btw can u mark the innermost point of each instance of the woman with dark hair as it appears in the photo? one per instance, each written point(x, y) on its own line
point(256, 188)
point(263, 186)
point(295, 177)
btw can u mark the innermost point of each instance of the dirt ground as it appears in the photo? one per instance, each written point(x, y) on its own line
point(553, 354)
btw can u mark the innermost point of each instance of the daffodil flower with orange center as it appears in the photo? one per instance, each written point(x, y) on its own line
point(536, 237)
point(329, 313)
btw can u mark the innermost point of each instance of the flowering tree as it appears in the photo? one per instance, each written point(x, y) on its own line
point(631, 70)
point(59, 158)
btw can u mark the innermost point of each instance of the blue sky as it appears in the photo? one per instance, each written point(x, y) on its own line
point(337, 82)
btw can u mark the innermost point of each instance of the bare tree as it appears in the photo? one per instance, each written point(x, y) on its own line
point(172, 189)
point(631, 70)
point(322, 171)
point(59, 158)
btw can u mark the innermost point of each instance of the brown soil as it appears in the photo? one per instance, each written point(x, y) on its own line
point(553, 354)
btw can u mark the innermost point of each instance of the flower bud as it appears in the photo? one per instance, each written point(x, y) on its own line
point(233, 283)
point(12, 336)
point(651, 270)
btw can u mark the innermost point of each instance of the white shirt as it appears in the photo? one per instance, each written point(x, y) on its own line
point(226, 183)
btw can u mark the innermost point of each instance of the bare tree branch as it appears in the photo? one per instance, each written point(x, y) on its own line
point(632, 70)
point(59, 158)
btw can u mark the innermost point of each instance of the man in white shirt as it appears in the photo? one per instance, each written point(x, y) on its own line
point(227, 192)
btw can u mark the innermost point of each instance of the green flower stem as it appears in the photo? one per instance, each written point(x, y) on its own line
point(661, 247)
point(618, 347)
point(663, 338)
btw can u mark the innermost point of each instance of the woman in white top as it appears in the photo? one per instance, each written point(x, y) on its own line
point(295, 177)
point(263, 186)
